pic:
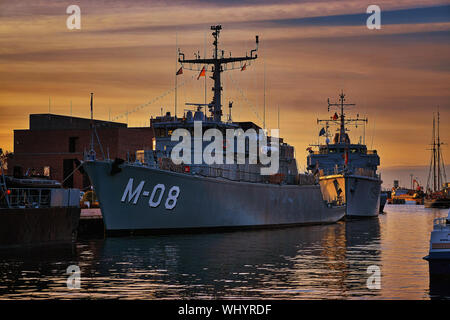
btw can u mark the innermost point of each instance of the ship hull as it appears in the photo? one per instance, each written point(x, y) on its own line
point(439, 254)
point(21, 226)
point(442, 203)
point(175, 201)
point(383, 200)
point(361, 194)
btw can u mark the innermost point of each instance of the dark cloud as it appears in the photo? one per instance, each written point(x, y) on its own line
point(433, 14)
point(404, 16)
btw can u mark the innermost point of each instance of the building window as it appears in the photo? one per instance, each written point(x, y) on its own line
point(73, 144)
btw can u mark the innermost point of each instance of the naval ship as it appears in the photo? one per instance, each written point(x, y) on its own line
point(156, 193)
point(347, 171)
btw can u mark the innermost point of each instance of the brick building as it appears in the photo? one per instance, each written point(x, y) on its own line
point(54, 145)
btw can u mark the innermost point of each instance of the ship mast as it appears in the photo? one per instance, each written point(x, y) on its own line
point(92, 151)
point(432, 171)
point(434, 154)
point(436, 172)
point(341, 119)
point(217, 62)
point(438, 153)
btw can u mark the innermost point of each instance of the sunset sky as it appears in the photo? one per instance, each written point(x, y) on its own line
point(125, 53)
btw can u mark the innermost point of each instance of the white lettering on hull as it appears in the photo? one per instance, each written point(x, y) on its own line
point(131, 195)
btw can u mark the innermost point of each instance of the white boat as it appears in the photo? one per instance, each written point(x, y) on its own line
point(439, 254)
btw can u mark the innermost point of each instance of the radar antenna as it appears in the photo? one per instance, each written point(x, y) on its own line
point(340, 118)
point(217, 67)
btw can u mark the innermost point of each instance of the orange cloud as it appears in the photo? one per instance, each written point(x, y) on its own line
point(126, 55)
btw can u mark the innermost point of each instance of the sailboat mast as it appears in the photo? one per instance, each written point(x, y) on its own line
point(434, 153)
point(438, 154)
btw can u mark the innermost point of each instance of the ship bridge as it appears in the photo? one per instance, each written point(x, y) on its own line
point(334, 158)
point(341, 155)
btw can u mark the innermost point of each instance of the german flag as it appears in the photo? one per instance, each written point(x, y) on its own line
point(180, 71)
point(202, 73)
point(244, 66)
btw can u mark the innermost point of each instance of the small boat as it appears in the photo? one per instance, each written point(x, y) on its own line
point(34, 210)
point(401, 195)
point(437, 200)
point(439, 254)
point(31, 182)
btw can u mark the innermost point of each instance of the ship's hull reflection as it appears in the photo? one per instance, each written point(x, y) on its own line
point(439, 271)
point(306, 262)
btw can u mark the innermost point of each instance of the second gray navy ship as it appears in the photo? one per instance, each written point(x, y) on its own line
point(347, 171)
point(155, 194)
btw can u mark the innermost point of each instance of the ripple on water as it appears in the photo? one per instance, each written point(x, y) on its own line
point(314, 262)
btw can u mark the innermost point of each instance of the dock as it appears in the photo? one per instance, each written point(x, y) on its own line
point(91, 223)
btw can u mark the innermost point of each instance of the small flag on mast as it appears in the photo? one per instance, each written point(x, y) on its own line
point(180, 71)
point(322, 132)
point(244, 66)
point(202, 73)
point(335, 116)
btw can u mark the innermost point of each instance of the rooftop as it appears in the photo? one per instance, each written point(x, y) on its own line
point(48, 121)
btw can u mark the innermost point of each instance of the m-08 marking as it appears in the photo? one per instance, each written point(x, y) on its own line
point(131, 195)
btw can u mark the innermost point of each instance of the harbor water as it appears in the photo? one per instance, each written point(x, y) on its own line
point(313, 262)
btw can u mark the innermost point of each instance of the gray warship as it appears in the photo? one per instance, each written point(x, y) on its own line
point(347, 171)
point(154, 193)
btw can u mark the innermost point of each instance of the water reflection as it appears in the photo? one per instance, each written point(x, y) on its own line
point(314, 262)
point(306, 262)
point(439, 287)
point(34, 271)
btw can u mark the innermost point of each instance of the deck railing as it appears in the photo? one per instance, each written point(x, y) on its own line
point(39, 198)
point(29, 197)
point(342, 169)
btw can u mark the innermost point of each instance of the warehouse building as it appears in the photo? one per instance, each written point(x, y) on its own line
point(54, 145)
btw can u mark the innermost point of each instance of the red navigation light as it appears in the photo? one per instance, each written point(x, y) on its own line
point(187, 169)
point(8, 192)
